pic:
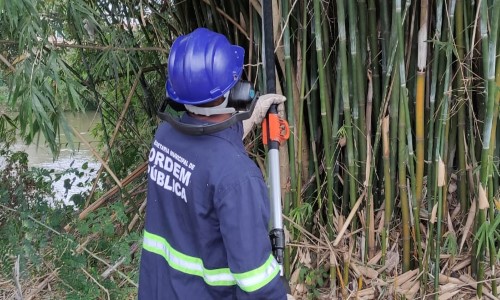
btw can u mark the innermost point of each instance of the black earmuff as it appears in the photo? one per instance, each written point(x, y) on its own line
point(241, 95)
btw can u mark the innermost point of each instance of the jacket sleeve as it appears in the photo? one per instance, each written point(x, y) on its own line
point(243, 211)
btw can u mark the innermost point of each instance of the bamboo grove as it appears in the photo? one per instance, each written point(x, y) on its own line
point(391, 166)
point(393, 110)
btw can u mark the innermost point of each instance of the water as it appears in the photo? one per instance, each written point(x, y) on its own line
point(40, 156)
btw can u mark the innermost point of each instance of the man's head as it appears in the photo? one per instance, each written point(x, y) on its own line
point(204, 72)
point(202, 68)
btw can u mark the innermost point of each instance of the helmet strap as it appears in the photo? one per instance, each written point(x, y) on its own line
point(214, 110)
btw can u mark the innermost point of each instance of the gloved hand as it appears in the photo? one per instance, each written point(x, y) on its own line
point(260, 110)
point(289, 297)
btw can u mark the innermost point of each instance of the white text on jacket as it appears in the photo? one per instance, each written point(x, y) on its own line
point(169, 170)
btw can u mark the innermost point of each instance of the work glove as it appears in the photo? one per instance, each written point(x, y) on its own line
point(260, 111)
point(289, 297)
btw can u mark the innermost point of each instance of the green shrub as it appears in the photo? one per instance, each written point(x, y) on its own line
point(32, 232)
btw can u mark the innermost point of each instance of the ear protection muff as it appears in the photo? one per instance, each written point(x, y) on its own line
point(241, 95)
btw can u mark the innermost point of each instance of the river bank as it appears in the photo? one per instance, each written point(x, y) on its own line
point(74, 168)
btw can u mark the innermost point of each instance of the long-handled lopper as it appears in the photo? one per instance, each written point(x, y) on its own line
point(274, 131)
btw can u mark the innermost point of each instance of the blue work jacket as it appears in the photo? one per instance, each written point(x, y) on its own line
point(207, 216)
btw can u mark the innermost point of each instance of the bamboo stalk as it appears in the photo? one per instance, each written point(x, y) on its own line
point(362, 33)
point(394, 107)
point(496, 109)
point(374, 56)
point(289, 96)
point(313, 127)
point(471, 129)
point(303, 79)
point(462, 160)
point(430, 137)
point(370, 217)
point(403, 192)
point(385, 34)
point(291, 121)
point(383, 129)
point(345, 98)
point(376, 102)
point(388, 197)
point(359, 112)
point(402, 154)
point(335, 127)
point(482, 202)
point(328, 59)
point(489, 59)
point(406, 110)
point(324, 118)
point(420, 122)
point(441, 148)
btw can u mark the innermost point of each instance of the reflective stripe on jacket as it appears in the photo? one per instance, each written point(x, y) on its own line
point(249, 281)
point(206, 231)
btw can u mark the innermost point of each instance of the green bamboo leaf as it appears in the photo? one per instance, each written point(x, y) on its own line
point(17, 93)
point(49, 95)
point(39, 110)
point(42, 101)
point(482, 238)
point(71, 95)
point(68, 132)
point(54, 67)
point(479, 247)
point(9, 120)
point(495, 224)
point(491, 241)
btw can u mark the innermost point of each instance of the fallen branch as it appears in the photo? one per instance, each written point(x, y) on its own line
point(96, 282)
point(138, 171)
point(120, 261)
point(42, 285)
point(348, 220)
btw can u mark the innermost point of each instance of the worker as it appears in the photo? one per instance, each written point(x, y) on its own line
point(207, 217)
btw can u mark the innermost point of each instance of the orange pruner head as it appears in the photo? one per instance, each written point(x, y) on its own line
point(278, 129)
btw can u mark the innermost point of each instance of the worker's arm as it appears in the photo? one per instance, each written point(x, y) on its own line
point(243, 211)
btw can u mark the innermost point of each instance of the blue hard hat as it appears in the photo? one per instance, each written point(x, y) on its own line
point(202, 67)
